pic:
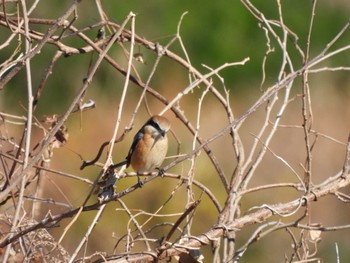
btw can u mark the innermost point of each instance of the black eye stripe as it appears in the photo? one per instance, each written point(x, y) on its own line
point(154, 124)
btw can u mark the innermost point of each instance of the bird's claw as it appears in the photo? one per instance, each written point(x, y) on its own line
point(161, 172)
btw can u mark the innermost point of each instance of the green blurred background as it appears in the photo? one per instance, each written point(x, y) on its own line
point(213, 32)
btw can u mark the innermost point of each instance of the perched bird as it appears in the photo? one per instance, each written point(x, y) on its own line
point(149, 147)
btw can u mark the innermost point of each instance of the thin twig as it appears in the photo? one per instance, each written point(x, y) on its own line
point(27, 131)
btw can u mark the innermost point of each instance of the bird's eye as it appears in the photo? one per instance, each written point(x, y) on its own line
point(154, 124)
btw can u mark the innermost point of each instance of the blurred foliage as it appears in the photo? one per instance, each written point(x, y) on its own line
point(213, 32)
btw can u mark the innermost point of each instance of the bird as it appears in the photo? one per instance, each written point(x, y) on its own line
point(149, 147)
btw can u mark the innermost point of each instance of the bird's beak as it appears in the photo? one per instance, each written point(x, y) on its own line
point(162, 132)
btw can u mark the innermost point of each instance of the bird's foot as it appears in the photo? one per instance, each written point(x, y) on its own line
point(161, 172)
